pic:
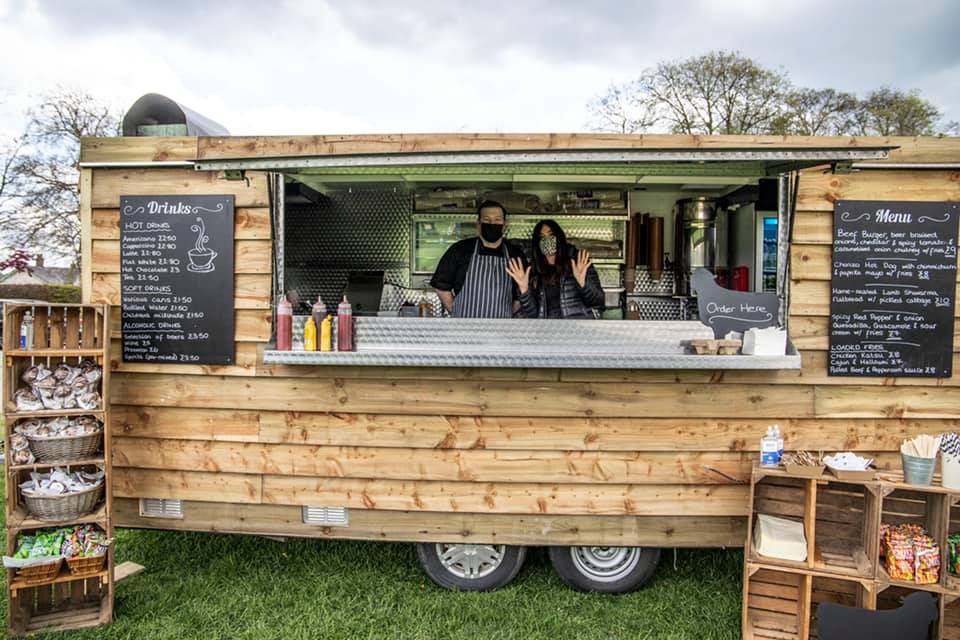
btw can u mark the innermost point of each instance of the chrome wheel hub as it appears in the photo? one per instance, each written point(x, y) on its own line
point(471, 561)
point(605, 564)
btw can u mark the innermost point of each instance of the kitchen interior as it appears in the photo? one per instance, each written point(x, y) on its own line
point(379, 238)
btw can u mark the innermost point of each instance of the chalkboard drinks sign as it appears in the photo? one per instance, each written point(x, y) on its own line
point(893, 288)
point(176, 278)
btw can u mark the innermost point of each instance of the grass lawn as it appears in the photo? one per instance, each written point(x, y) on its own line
point(218, 586)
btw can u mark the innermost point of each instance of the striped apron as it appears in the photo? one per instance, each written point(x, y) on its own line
point(487, 290)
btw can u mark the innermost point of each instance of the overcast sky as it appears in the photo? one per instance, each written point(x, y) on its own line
point(354, 66)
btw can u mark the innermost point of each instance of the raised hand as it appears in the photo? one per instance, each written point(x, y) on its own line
point(520, 275)
point(580, 264)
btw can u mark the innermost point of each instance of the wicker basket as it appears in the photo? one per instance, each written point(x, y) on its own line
point(89, 565)
point(39, 573)
point(67, 447)
point(65, 507)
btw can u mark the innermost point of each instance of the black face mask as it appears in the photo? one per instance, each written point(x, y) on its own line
point(491, 232)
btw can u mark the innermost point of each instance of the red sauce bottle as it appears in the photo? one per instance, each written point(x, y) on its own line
point(284, 325)
point(345, 326)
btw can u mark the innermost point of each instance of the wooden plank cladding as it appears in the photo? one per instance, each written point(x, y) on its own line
point(492, 398)
point(519, 498)
point(456, 465)
point(427, 526)
point(138, 149)
point(249, 223)
point(446, 465)
point(188, 485)
point(110, 184)
point(515, 456)
point(445, 432)
point(911, 149)
point(888, 402)
point(819, 191)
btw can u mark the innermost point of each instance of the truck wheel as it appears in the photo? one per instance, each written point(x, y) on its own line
point(605, 569)
point(471, 567)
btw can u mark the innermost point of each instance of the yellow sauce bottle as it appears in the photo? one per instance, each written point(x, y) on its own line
point(310, 335)
point(326, 333)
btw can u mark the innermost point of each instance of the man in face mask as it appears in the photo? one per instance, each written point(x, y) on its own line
point(471, 278)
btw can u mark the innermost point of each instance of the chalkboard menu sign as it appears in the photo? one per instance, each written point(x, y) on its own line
point(724, 310)
point(176, 279)
point(893, 289)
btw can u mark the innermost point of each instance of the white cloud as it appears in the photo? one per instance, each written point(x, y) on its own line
point(337, 67)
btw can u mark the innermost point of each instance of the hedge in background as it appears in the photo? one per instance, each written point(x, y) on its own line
point(46, 292)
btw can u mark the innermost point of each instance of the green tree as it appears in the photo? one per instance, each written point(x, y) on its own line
point(816, 112)
point(891, 112)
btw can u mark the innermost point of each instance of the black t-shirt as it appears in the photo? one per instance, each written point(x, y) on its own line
point(452, 269)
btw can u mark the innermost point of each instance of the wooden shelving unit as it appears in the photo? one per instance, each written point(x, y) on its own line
point(61, 333)
point(842, 527)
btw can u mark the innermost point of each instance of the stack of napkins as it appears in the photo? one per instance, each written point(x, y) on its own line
point(764, 342)
point(779, 538)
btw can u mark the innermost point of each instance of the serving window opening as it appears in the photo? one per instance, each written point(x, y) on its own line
point(380, 239)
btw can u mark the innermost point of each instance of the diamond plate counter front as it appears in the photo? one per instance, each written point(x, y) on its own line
point(450, 342)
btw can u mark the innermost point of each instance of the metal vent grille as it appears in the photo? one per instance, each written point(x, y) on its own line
point(161, 508)
point(326, 516)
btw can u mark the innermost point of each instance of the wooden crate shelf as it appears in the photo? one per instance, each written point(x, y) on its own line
point(842, 524)
point(63, 576)
point(62, 333)
point(20, 520)
point(774, 605)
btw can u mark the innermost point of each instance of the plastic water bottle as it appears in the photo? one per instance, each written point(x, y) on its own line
point(769, 449)
point(779, 437)
point(26, 331)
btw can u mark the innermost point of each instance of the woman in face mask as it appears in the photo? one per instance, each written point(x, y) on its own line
point(562, 282)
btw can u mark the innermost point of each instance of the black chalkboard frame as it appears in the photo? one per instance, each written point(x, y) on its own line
point(937, 349)
point(206, 276)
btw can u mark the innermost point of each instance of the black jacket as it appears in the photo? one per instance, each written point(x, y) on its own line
point(576, 302)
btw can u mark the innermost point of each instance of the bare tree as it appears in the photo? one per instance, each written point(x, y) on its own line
point(42, 210)
point(717, 93)
point(728, 93)
point(817, 112)
point(622, 110)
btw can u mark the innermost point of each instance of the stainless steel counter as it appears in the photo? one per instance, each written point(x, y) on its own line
point(568, 344)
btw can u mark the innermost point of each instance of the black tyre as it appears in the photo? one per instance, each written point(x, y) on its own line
point(605, 569)
point(471, 567)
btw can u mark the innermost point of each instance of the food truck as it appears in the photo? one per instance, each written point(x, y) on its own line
point(605, 440)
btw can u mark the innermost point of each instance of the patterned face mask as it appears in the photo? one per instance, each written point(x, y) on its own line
point(548, 245)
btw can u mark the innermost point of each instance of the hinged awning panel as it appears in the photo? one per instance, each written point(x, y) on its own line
point(770, 161)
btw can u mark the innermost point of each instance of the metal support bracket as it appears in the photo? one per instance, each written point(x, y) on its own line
point(842, 167)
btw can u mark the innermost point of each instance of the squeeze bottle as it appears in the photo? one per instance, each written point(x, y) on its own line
point(310, 335)
point(284, 325)
point(326, 333)
point(318, 311)
point(345, 326)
